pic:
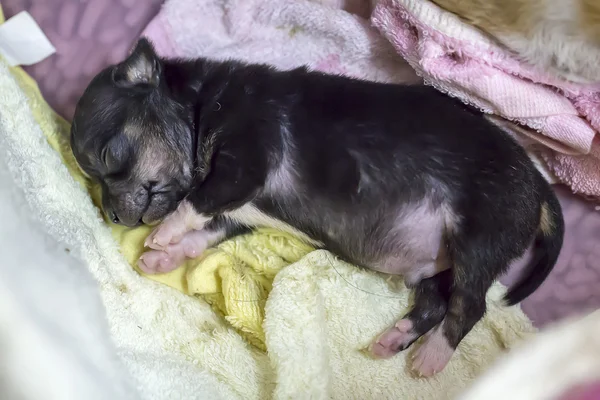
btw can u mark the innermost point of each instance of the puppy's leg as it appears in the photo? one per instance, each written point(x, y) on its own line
point(191, 245)
point(474, 271)
point(175, 226)
point(430, 304)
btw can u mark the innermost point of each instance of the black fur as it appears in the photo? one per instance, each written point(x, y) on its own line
point(360, 159)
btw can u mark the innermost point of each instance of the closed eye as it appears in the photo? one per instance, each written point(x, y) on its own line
point(108, 161)
point(114, 155)
point(155, 189)
point(103, 157)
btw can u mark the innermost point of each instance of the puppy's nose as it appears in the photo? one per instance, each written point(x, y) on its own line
point(114, 217)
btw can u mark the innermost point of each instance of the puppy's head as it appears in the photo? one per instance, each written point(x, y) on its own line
point(130, 134)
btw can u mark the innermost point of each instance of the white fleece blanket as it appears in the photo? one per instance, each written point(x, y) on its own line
point(54, 340)
point(319, 316)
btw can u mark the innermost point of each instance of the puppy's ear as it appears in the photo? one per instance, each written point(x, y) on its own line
point(141, 68)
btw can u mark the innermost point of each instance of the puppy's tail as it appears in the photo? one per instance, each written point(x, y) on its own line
point(546, 247)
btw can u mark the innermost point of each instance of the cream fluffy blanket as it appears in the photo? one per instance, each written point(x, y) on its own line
point(320, 315)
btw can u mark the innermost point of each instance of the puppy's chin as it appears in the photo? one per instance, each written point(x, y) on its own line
point(152, 223)
point(153, 220)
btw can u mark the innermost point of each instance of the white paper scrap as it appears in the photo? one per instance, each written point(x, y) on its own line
point(22, 42)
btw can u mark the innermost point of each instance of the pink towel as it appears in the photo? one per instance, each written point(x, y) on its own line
point(333, 36)
point(460, 60)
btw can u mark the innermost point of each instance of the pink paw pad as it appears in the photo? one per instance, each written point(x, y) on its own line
point(174, 227)
point(168, 232)
point(156, 261)
point(394, 340)
point(191, 245)
point(433, 354)
point(195, 243)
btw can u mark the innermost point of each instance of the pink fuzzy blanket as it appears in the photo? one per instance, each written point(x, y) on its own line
point(328, 35)
point(460, 60)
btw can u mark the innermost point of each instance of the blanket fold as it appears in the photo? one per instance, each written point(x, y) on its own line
point(461, 61)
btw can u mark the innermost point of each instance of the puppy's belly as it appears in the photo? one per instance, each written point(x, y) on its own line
point(251, 216)
point(411, 248)
point(415, 244)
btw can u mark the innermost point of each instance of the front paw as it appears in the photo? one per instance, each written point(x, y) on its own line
point(433, 354)
point(394, 340)
point(157, 261)
point(183, 220)
point(169, 232)
point(191, 245)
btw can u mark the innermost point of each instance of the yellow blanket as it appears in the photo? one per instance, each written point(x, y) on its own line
point(236, 277)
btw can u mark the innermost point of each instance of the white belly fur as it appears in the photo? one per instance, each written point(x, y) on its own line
point(251, 216)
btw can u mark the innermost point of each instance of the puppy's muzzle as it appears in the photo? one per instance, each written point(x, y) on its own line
point(126, 208)
point(129, 221)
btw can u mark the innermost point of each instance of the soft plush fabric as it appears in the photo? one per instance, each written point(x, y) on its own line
point(236, 277)
point(561, 363)
point(460, 60)
point(286, 34)
point(320, 315)
point(55, 340)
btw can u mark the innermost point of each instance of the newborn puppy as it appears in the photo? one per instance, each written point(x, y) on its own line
point(399, 179)
point(562, 36)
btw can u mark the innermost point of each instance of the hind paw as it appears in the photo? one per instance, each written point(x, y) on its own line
point(433, 354)
point(394, 340)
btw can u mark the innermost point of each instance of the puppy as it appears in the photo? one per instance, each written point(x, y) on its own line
point(561, 36)
point(399, 179)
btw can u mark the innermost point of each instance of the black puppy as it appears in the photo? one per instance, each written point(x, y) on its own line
point(398, 179)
